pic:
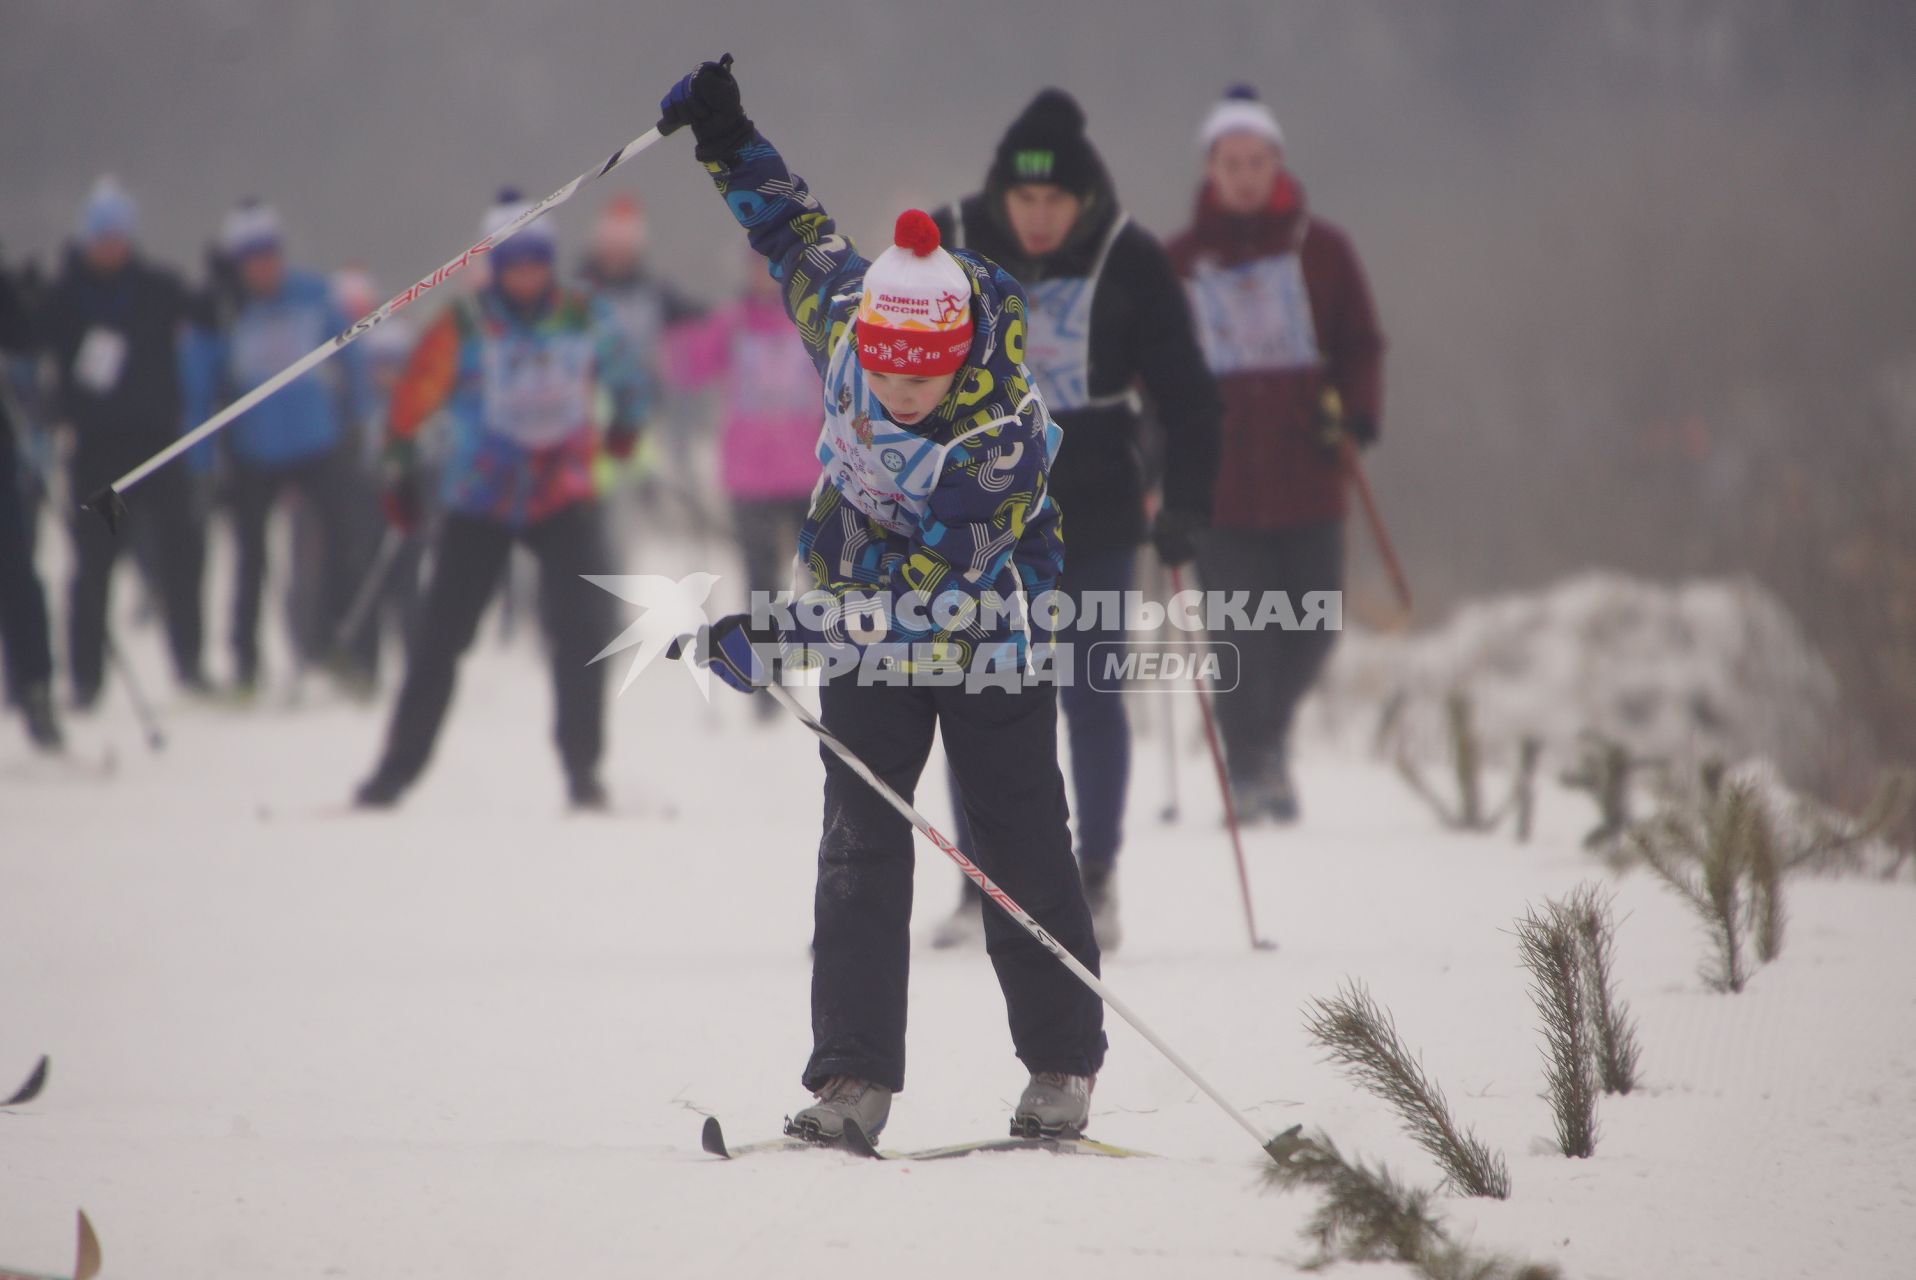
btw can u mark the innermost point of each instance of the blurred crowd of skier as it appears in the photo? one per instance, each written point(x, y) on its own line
point(1212, 389)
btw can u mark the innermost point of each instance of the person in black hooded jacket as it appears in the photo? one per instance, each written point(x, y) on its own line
point(1109, 318)
point(112, 325)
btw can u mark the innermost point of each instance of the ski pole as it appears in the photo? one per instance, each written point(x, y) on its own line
point(1170, 727)
point(1278, 1149)
point(363, 600)
point(142, 709)
point(390, 545)
point(109, 503)
point(1355, 466)
point(1258, 942)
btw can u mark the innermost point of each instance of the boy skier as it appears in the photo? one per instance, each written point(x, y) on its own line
point(517, 367)
point(1107, 313)
point(936, 450)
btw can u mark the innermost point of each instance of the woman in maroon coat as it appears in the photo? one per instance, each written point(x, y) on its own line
point(1285, 318)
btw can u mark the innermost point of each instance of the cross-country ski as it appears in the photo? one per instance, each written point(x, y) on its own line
point(86, 1258)
point(30, 1087)
point(1234, 640)
point(854, 1142)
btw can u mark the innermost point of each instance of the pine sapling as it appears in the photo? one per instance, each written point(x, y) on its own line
point(1524, 792)
point(1891, 801)
point(1550, 950)
point(1466, 759)
point(1368, 1216)
point(1766, 886)
point(1715, 865)
point(1362, 1038)
point(1613, 1031)
point(1604, 768)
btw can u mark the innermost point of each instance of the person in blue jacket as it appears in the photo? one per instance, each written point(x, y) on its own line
point(296, 440)
point(931, 537)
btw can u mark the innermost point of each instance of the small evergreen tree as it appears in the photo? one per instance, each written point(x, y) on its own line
point(1613, 1031)
point(1552, 952)
point(1466, 757)
point(1368, 1216)
point(1362, 1038)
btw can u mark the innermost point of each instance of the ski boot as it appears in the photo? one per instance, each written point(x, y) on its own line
point(380, 791)
point(587, 794)
point(1266, 798)
point(36, 703)
point(1101, 895)
point(1054, 1105)
point(863, 1103)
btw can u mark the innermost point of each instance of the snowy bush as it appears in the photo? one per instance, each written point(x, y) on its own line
point(1707, 668)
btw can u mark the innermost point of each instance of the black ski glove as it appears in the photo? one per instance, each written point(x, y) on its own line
point(1174, 534)
point(707, 99)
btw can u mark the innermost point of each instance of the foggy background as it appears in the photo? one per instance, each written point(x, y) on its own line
point(1645, 266)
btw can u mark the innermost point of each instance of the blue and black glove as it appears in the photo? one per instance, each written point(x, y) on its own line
point(736, 652)
point(708, 101)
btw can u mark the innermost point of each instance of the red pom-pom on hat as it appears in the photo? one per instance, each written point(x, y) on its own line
point(917, 232)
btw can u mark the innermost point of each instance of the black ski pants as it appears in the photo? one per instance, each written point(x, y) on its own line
point(342, 508)
point(23, 602)
point(161, 512)
point(1003, 747)
point(468, 562)
point(1276, 666)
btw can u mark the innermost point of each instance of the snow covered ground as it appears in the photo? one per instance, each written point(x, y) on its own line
point(474, 1037)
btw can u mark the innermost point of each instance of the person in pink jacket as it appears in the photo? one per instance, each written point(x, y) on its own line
point(768, 460)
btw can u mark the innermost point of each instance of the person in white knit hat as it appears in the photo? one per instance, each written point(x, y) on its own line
point(932, 515)
point(1288, 327)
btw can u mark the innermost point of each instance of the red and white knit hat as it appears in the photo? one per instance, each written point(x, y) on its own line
point(915, 315)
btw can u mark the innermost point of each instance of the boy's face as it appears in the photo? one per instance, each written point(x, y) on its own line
point(1243, 170)
point(1041, 215)
point(907, 399)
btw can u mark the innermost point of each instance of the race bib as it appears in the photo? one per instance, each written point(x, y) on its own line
point(884, 471)
point(100, 360)
point(538, 392)
point(1058, 339)
point(1255, 317)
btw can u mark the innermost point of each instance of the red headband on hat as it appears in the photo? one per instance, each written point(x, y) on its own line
point(931, 330)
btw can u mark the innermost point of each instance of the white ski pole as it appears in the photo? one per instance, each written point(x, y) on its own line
point(108, 502)
point(1279, 1148)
